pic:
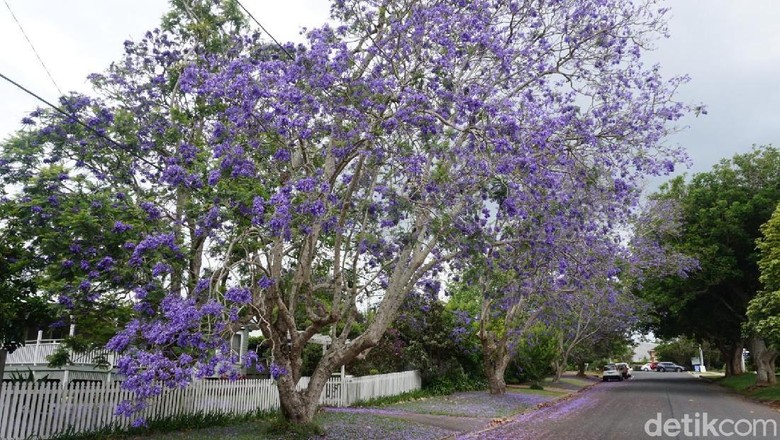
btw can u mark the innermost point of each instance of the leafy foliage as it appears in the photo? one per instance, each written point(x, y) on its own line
point(764, 309)
point(722, 211)
point(534, 355)
point(433, 339)
point(681, 350)
point(291, 188)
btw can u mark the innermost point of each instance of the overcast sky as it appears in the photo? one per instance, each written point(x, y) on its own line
point(730, 48)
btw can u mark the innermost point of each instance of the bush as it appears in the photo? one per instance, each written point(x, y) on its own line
point(682, 349)
point(535, 353)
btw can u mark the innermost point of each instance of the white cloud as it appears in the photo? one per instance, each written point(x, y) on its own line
point(731, 49)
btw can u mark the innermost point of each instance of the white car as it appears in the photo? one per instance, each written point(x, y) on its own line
point(646, 367)
point(611, 372)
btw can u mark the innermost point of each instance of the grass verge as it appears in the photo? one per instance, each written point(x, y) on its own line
point(746, 385)
point(390, 400)
point(546, 392)
point(168, 425)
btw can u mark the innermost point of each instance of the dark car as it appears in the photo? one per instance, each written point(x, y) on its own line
point(668, 366)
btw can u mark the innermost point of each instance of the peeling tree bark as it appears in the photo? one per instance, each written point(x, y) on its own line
point(495, 360)
point(764, 358)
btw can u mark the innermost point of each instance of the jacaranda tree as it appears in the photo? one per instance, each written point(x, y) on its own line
point(322, 179)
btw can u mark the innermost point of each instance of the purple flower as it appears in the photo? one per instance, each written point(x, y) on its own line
point(120, 227)
point(65, 301)
point(152, 212)
point(105, 264)
point(277, 371)
point(240, 295)
point(264, 282)
point(161, 268)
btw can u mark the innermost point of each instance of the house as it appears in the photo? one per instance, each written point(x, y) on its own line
point(93, 366)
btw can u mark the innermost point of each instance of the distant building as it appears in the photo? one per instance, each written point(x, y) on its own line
point(644, 351)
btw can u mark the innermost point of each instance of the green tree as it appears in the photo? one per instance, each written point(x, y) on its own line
point(430, 337)
point(335, 172)
point(20, 304)
point(75, 199)
point(681, 350)
point(535, 353)
point(764, 310)
point(722, 211)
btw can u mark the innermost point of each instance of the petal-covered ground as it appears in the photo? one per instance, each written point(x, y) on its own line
point(476, 404)
point(467, 415)
point(372, 426)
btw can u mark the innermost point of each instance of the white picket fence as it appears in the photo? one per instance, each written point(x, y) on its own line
point(31, 410)
point(36, 352)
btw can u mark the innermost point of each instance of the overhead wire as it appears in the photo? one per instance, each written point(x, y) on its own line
point(60, 110)
point(265, 30)
point(37, 55)
point(73, 116)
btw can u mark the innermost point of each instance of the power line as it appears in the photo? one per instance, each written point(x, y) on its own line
point(69, 115)
point(32, 46)
point(264, 30)
point(72, 117)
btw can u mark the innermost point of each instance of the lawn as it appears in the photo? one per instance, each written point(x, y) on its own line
point(478, 403)
point(337, 425)
point(745, 384)
point(391, 420)
point(569, 380)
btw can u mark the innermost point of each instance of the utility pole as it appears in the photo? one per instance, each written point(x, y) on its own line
point(701, 360)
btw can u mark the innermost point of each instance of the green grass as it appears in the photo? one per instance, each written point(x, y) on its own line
point(740, 382)
point(767, 393)
point(526, 390)
point(745, 384)
point(390, 400)
point(271, 427)
point(175, 425)
point(576, 381)
point(713, 375)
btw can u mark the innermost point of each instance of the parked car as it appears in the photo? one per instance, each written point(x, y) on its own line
point(611, 372)
point(647, 367)
point(653, 365)
point(624, 368)
point(668, 366)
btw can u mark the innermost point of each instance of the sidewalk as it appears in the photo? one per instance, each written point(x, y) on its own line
point(470, 413)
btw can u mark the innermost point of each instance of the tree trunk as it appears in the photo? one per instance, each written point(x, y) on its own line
point(732, 354)
point(296, 408)
point(764, 358)
point(581, 370)
point(495, 360)
point(560, 366)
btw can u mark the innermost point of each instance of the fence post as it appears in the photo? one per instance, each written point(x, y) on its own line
point(37, 347)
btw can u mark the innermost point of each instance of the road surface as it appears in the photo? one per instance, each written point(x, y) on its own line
point(650, 405)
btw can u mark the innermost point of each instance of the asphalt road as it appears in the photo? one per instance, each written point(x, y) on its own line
point(650, 405)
